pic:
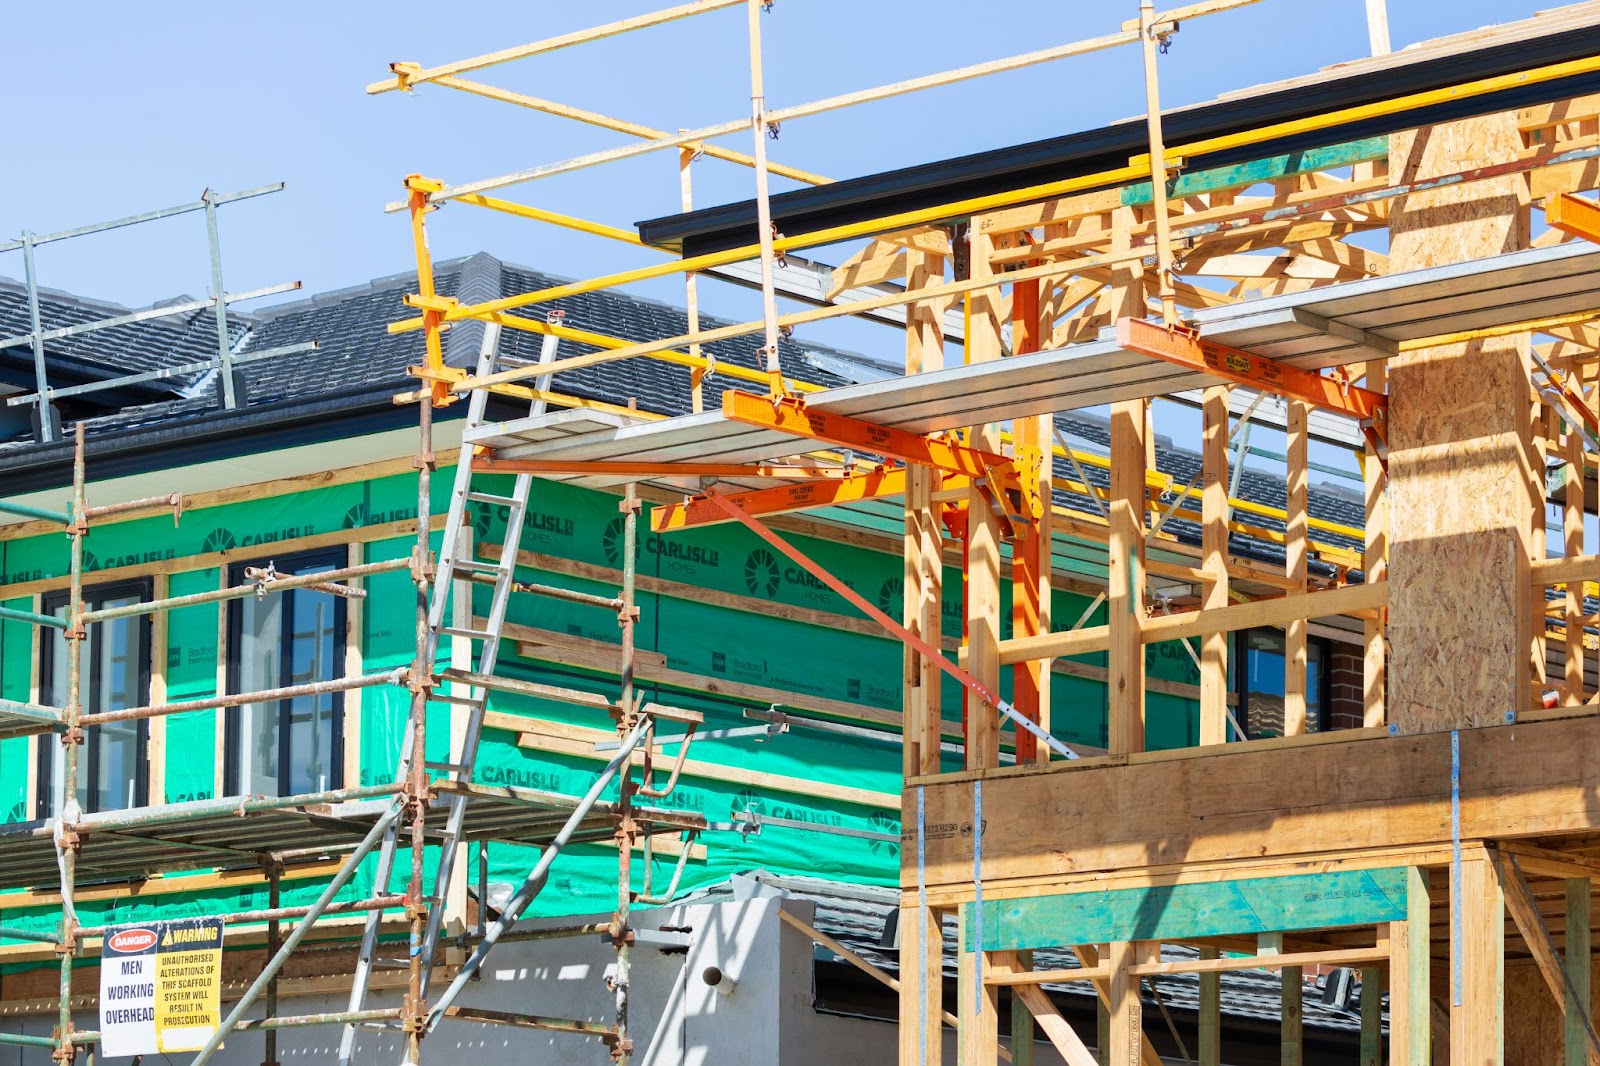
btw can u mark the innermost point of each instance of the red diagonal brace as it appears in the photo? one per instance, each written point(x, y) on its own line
point(983, 692)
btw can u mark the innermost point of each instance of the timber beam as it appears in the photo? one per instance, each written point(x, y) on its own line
point(1277, 803)
point(1575, 215)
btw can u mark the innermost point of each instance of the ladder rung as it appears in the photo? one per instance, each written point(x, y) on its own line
point(489, 497)
point(480, 566)
point(471, 634)
point(449, 767)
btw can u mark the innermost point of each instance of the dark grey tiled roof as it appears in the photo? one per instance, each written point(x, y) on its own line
point(358, 357)
point(153, 344)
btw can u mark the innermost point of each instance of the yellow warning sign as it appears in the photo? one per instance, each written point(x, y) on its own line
point(161, 986)
point(188, 985)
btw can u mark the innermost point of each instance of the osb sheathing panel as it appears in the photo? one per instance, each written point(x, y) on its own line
point(1535, 1032)
point(1461, 503)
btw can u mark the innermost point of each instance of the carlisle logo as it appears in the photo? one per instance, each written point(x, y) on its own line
point(132, 940)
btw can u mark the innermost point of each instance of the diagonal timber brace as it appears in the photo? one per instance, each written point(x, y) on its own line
point(923, 648)
point(1184, 347)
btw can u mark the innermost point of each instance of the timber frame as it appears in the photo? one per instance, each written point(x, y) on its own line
point(1446, 840)
point(1446, 848)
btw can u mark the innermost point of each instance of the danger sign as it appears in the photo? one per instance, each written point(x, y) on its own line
point(160, 986)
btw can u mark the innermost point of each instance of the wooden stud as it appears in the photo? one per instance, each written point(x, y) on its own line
point(220, 733)
point(1124, 1006)
point(921, 985)
point(1295, 559)
point(1030, 572)
point(1293, 986)
point(1577, 962)
point(35, 682)
point(1477, 1025)
point(923, 560)
point(1410, 970)
point(1088, 956)
point(1371, 1016)
point(354, 659)
point(983, 530)
point(1214, 546)
point(1125, 580)
point(1210, 1011)
point(156, 754)
point(1022, 1023)
point(1375, 567)
point(979, 1008)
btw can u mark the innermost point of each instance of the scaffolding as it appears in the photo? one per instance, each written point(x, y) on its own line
point(220, 366)
point(934, 437)
point(1081, 255)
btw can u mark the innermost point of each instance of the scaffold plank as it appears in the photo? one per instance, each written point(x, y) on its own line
point(1339, 324)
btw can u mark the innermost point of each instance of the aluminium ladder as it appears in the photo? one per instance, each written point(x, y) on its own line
point(460, 571)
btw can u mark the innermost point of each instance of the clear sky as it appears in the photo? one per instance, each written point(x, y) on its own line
point(120, 107)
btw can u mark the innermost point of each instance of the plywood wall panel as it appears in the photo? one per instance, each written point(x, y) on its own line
point(1460, 498)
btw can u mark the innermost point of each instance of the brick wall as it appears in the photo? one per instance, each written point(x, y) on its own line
point(1344, 686)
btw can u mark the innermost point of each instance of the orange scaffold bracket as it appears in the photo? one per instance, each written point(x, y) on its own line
point(1013, 497)
point(1184, 347)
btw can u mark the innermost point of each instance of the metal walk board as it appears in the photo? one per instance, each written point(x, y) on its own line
point(1331, 326)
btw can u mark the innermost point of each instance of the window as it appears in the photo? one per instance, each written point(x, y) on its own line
point(1260, 683)
point(115, 670)
point(292, 746)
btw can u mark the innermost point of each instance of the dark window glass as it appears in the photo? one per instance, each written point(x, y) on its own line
point(114, 674)
point(291, 746)
point(1260, 685)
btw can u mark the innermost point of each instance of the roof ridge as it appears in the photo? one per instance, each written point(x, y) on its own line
point(106, 308)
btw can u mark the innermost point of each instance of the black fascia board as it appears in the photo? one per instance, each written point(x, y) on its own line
point(1054, 159)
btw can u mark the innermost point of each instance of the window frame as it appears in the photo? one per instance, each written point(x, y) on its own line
point(44, 761)
point(295, 563)
point(1238, 666)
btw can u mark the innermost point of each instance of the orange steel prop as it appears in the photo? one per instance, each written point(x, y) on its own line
point(1184, 348)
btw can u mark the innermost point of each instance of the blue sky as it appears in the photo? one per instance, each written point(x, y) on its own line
point(121, 107)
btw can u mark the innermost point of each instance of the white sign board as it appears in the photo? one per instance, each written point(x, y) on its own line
point(160, 986)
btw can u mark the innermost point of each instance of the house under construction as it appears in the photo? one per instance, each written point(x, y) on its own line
point(518, 668)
